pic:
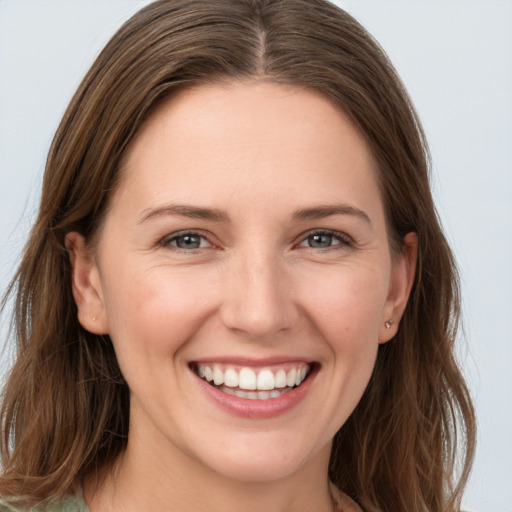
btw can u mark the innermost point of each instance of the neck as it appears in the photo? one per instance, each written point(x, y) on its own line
point(158, 476)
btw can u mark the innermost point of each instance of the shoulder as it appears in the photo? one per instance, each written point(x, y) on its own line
point(343, 502)
point(67, 504)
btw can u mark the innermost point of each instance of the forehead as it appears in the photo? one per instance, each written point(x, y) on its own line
point(249, 140)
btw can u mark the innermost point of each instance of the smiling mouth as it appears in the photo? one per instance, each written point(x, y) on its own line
point(250, 383)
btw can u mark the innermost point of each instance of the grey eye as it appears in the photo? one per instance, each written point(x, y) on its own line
point(325, 240)
point(188, 241)
point(320, 241)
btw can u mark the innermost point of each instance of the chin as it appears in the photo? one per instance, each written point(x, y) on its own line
point(269, 470)
point(263, 458)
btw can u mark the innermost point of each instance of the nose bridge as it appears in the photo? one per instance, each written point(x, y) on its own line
point(259, 300)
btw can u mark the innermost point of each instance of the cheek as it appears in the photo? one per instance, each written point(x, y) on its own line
point(152, 313)
point(347, 303)
point(344, 308)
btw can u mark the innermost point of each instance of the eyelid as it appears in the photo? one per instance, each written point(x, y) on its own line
point(167, 239)
point(343, 237)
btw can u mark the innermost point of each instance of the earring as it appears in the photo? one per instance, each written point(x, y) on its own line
point(389, 323)
point(94, 319)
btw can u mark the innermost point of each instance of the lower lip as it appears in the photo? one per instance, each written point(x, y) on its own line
point(258, 409)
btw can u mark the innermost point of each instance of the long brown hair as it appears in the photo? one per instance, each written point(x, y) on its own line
point(409, 444)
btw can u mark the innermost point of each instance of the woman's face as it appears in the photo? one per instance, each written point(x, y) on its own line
point(246, 244)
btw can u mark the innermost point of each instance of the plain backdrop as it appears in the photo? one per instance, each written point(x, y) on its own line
point(455, 58)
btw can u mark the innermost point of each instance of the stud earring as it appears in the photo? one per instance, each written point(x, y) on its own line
point(94, 319)
point(389, 323)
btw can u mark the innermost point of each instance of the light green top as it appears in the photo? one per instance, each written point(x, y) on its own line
point(69, 504)
point(77, 504)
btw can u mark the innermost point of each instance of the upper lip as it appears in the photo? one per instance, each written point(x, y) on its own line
point(253, 362)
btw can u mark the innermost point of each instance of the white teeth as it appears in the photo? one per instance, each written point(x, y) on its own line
point(290, 379)
point(247, 379)
point(218, 376)
point(254, 395)
point(253, 384)
point(231, 378)
point(280, 379)
point(266, 380)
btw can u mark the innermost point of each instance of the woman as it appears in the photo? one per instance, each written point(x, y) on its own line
point(237, 293)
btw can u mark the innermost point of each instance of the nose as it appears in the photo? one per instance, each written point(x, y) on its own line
point(259, 300)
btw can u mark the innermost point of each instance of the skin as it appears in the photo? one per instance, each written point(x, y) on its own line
point(257, 152)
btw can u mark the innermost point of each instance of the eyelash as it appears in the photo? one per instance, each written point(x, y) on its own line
point(343, 239)
point(167, 241)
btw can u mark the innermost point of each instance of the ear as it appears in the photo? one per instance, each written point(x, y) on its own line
point(402, 279)
point(86, 285)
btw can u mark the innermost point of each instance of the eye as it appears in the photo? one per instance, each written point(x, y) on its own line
point(325, 240)
point(186, 241)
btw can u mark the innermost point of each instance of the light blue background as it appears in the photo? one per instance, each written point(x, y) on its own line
point(456, 60)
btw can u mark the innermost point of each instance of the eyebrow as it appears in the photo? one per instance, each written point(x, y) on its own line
point(216, 215)
point(319, 212)
point(183, 210)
